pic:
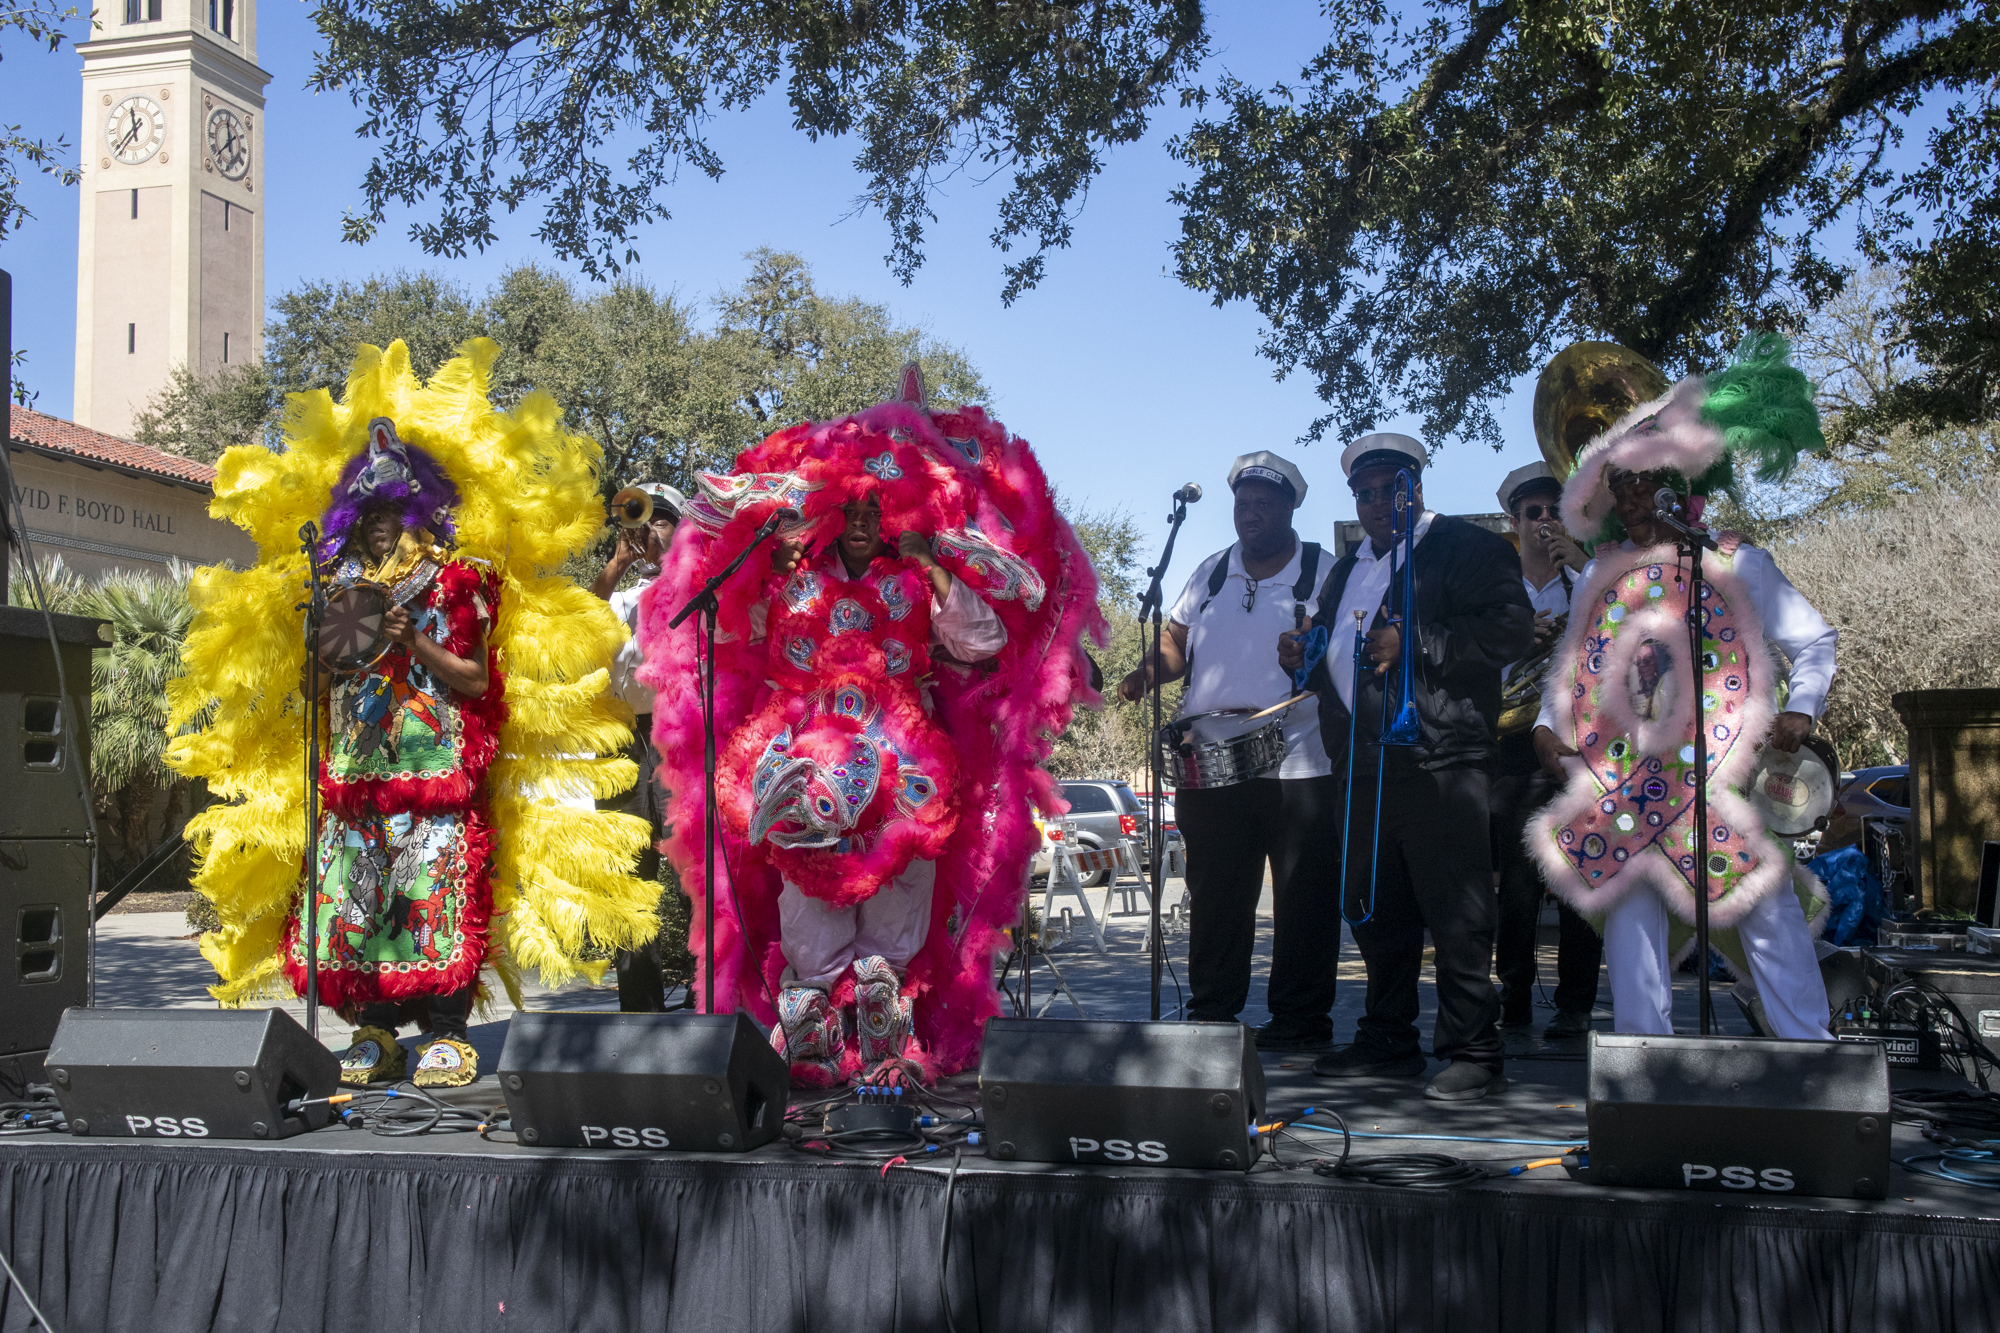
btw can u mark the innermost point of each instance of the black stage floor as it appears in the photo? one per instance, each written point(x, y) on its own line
point(344, 1229)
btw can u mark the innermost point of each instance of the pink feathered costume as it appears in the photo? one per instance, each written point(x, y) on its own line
point(849, 756)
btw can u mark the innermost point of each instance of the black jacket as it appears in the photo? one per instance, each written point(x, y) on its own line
point(1473, 618)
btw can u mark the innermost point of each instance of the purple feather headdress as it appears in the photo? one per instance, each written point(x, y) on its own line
point(389, 471)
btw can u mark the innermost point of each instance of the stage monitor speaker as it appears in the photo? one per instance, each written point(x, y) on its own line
point(45, 923)
point(39, 795)
point(189, 1073)
point(1159, 1094)
point(689, 1082)
point(1739, 1115)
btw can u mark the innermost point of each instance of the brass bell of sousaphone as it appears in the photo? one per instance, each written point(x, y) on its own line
point(632, 507)
point(1583, 392)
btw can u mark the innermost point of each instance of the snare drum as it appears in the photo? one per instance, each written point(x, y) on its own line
point(1221, 749)
point(351, 637)
point(1793, 792)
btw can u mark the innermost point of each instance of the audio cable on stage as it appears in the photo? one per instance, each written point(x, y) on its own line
point(1432, 1171)
point(399, 1111)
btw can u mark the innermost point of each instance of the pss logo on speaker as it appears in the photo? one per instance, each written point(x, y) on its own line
point(1118, 1150)
point(1774, 1178)
point(167, 1126)
point(619, 1136)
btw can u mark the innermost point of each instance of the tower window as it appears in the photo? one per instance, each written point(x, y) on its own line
point(142, 11)
point(225, 349)
point(135, 204)
point(222, 16)
point(131, 339)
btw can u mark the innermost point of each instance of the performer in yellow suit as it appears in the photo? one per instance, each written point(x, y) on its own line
point(436, 861)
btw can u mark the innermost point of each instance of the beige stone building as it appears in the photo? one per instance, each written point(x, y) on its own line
point(102, 503)
point(170, 257)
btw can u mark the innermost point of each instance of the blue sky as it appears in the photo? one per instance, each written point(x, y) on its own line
point(1126, 382)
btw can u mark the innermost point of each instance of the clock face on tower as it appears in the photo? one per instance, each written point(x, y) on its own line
point(135, 129)
point(228, 143)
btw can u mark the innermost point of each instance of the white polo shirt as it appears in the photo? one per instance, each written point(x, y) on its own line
point(1235, 651)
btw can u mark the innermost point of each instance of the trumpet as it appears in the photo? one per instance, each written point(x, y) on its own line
point(632, 507)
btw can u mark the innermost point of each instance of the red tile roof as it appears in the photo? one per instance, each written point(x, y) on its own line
point(66, 437)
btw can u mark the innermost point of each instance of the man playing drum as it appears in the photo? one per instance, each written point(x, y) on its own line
point(1434, 868)
point(1619, 842)
point(1219, 637)
point(1549, 559)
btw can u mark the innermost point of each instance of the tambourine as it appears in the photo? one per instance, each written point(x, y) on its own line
point(1794, 792)
point(351, 633)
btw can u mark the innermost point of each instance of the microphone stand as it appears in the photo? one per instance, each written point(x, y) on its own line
point(315, 608)
point(1156, 835)
point(1694, 541)
point(705, 603)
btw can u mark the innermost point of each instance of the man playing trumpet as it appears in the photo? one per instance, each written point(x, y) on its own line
point(1550, 560)
point(642, 547)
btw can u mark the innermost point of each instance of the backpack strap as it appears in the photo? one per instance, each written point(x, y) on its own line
point(1218, 579)
point(1308, 570)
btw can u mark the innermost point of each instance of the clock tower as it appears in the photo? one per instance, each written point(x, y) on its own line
point(170, 253)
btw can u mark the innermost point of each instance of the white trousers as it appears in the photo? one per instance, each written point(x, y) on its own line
point(821, 941)
point(1776, 944)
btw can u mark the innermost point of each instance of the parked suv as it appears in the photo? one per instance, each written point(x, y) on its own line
point(1101, 813)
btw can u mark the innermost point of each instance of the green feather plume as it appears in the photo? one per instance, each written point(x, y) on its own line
point(1763, 405)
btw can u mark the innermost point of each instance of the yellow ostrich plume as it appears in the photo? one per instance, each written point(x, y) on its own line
point(529, 500)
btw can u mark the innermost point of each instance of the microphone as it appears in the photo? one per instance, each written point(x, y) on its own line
point(778, 518)
point(1188, 494)
point(1664, 504)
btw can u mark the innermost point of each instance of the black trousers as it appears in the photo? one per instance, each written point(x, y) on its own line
point(1230, 832)
point(1579, 951)
point(641, 989)
point(1435, 871)
point(437, 1015)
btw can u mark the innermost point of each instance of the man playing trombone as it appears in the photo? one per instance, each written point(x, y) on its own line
point(1419, 856)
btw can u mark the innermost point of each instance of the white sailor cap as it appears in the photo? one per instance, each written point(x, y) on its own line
point(1383, 447)
point(664, 495)
point(1525, 478)
point(1267, 466)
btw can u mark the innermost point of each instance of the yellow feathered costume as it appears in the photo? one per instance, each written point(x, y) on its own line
point(528, 501)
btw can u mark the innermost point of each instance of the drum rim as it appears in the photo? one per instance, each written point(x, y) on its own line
point(383, 644)
point(1819, 750)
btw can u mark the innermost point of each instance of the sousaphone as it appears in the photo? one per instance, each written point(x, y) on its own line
point(1582, 393)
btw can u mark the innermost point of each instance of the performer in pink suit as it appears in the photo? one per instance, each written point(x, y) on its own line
point(882, 710)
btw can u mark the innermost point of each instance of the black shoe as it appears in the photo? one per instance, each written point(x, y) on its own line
point(1276, 1036)
point(1517, 1018)
point(1361, 1062)
point(1463, 1081)
point(1568, 1023)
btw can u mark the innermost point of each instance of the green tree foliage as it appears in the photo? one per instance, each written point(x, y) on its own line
point(139, 799)
point(42, 23)
point(1110, 741)
point(199, 417)
point(1446, 196)
point(637, 370)
point(512, 102)
point(1858, 351)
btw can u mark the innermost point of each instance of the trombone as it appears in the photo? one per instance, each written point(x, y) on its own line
point(1405, 729)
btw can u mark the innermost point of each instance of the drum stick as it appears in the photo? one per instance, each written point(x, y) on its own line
point(1279, 707)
